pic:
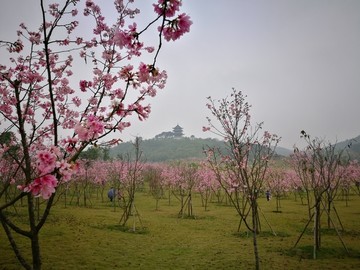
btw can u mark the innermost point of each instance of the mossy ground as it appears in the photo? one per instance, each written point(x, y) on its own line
point(78, 237)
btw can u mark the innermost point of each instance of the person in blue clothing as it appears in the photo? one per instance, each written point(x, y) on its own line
point(111, 194)
point(268, 195)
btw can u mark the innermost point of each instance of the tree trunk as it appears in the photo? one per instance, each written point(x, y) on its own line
point(16, 250)
point(127, 212)
point(157, 204)
point(277, 203)
point(65, 196)
point(308, 202)
point(328, 212)
point(190, 209)
point(35, 247)
point(169, 198)
point(255, 231)
point(317, 229)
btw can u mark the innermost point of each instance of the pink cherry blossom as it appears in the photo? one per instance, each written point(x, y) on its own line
point(177, 27)
point(170, 7)
point(46, 161)
point(66, 170)
point(43, 186)
point(84, 85)
point(122, 39)
point(92, 128)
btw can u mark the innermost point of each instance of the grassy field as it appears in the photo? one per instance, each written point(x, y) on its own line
point(78, 237)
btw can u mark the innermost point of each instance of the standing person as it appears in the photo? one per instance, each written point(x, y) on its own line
point(268, 195)
point(111, 194)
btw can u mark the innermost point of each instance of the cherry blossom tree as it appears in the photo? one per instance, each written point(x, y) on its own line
point(206, 184)
point(90, 175)
point(243, 168)
point(180, 178)
point(9, 174)
point(295, 183)
point(277, 181)
point(152, 175)
point(100, 180)
point(132, 179)
point(319, 168)
point(169, 180)
point(351, 179)
point(64, 89)
point(116, 172)
point(188, 179)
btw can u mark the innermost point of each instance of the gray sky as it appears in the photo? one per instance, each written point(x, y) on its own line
point(298, 62)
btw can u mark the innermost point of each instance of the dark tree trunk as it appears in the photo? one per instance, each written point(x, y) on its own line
point(34, 234)
point(255, 232)
point(317, 229)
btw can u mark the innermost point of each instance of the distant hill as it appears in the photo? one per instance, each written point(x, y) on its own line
point(283, 151)
point(166, 149)
point(158, 150)
point(351, 146)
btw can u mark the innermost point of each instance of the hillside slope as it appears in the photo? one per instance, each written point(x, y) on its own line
point(351, 146)
point(157, 150)
point(166, 149)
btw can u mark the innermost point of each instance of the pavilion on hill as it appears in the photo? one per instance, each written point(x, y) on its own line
point(178, 131)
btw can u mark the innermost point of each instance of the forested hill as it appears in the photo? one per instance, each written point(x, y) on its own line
point(165, 149)
point(352, 147)
point(158, 150)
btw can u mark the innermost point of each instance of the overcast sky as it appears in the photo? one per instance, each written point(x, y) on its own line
point(297, 61)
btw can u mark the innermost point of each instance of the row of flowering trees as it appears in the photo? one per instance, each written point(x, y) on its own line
point(321, 173)
point(182, 180)
point(178, 179)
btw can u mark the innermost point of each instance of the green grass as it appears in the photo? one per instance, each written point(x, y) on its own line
point(79, 237)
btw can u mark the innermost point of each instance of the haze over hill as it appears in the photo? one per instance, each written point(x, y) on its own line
point(165, 149)
point(172, 145)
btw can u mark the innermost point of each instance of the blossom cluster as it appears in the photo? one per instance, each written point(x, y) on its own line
point(91, 129)
point(176, 27)
point(50, 170)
